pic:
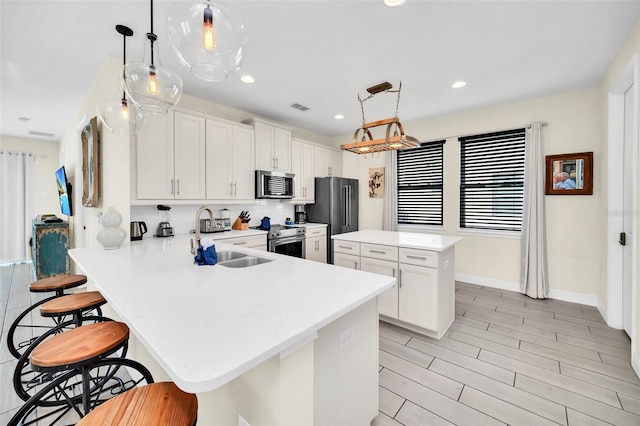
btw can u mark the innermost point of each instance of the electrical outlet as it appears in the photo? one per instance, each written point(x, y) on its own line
point(346, 337)
point(242, 421)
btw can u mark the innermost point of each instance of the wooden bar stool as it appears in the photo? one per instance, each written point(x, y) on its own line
point(159, 404)
point(84, 376)
point(22, 331)
point(72, 306)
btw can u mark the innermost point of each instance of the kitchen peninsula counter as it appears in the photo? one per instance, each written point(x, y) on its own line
point(258, 341)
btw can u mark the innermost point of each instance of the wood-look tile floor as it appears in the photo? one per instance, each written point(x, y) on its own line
point(509, 359)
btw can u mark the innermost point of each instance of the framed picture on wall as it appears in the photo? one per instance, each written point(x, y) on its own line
point(91, 164)
point(376, 182)
point(569, 174)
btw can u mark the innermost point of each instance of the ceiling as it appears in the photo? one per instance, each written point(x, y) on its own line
point(320, 54)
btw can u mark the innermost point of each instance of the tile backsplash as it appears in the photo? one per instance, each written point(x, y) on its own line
point(183, 217)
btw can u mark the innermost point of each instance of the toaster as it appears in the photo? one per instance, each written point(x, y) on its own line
point(208, 226)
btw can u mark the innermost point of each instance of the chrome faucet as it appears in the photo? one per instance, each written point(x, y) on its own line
point(200, 210)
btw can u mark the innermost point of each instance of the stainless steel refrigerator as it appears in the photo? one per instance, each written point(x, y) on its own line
point(336, 205)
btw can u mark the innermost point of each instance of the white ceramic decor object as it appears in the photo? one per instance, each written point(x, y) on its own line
point(112, 235)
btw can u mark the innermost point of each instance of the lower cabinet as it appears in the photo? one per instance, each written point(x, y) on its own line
point(422, 298)
point(253, 241)
point(316, 244)
point(49, 245)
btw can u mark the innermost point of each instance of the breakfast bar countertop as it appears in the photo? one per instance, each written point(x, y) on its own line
point(206, 325)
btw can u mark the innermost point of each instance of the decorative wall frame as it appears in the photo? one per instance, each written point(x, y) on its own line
point(91, 164)
point(569, 174)
point(376, 182)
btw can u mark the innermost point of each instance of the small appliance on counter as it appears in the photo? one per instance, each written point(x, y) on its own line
point(138, 229)
point(164, 227)
point(301, 213)
point(208, 226)
point(224, 221)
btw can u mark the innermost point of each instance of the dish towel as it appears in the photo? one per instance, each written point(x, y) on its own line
point(206, 254)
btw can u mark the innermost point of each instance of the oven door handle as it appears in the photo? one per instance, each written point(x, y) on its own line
point(287, 240)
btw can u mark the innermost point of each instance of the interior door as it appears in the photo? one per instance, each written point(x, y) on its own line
point(627, 206)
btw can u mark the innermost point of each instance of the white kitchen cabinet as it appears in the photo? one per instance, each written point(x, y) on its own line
point(316, 244)
point(272, 146)
point(302, 165)
point(170, 157)
point(387, 301)
point(253, 241)
point(230, 161)
point(328, 162)
point(422, 299)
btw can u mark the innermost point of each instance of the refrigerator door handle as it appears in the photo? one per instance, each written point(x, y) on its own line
point(349, 205)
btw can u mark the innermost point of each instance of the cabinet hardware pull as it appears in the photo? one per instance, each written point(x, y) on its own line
point(329, 170)
point(346, 247)
point(356, 265)
point(235, 188)
point(393, 274)
point(416, 257)
point(377, 251)
point(231, 189)
point(178, 186)
point(240, 243)
point(399, 278)
point(277, 163)
point(172, 187)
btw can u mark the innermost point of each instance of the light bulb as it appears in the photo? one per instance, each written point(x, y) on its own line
point(125, 109)
point(153, 80)
point(208, 37)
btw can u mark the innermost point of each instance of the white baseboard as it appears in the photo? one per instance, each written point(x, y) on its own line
point(635, 363)
point(567, 296)
point(602, 308)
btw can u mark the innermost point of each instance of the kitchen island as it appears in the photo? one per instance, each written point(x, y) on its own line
point(423, 299)
point(289, 341)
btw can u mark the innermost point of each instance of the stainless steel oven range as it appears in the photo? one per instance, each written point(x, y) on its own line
point(289, 240)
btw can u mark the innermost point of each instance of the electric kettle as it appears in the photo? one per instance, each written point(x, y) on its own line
point(138, 229)
point(265, 223)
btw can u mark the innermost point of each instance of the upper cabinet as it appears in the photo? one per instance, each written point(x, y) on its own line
point(170, 157)
point(272, 146)
point(328, 162)
point(230, 164)
point(303, 166)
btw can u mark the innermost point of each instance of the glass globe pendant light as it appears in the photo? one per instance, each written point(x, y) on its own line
point(150, 86)
point(206, 39)
point(119, 114)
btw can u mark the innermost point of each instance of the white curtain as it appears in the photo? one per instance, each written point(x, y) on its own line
point(534, 279)
point(389, 205)
point(17, 182)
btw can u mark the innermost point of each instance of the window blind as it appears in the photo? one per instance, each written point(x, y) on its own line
point(420, 184)
point(492, 180)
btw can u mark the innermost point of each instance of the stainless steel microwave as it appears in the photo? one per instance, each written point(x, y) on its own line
point(274, 184)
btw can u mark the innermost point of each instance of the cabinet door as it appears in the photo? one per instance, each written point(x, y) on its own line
point(308, 170)
point(346, 260)
point(265, 160)
point(154, 158)
point(282, 149)
point(418, 296)
point(321, 167)
point(243, 164)
point(316, 249)
point(219, 154)
point(387, 301)
point(335, 163)
point(189, 157)
point(297, 168)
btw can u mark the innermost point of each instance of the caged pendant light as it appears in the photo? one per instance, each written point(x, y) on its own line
point(206, 39)
point(363, 141)
point(120, 115)
point(152, 87)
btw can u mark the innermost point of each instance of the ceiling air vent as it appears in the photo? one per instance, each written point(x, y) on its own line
point(44, 134)
point(299, 107)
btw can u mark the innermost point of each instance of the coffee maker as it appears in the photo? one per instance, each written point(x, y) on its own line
point(301, 213)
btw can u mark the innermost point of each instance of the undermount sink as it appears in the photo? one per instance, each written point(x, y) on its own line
point(243, 262)
point(224, 256)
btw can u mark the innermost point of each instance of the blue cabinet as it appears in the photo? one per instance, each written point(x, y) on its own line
point(50, 243)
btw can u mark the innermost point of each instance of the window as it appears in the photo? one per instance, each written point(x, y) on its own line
point(420, 184)
point(492, 180)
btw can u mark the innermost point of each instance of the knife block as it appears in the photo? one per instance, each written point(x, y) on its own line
point(238, 225)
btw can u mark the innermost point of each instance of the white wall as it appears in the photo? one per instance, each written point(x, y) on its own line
point(574, 243)
point(46, 164)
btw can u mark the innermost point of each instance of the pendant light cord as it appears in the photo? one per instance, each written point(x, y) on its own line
point(151, 36)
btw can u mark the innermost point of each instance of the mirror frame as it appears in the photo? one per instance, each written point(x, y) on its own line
point(587, 173)
point(91, 164)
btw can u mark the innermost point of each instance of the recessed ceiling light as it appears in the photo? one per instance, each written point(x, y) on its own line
point(247, 79)
point(338, 116)
point(459, 84)
point(394, 3)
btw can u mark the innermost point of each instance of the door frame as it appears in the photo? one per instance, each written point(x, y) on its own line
point(613, 311)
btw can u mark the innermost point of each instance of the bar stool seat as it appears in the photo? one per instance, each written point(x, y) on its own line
point(72, 303)
point(57, 283)
point(79, 345)
point(156, 404)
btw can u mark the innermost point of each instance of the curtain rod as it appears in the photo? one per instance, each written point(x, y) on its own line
point(526, 126)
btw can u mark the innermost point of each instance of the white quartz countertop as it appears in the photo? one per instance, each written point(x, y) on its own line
point(400, 239)
point(206, 325)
